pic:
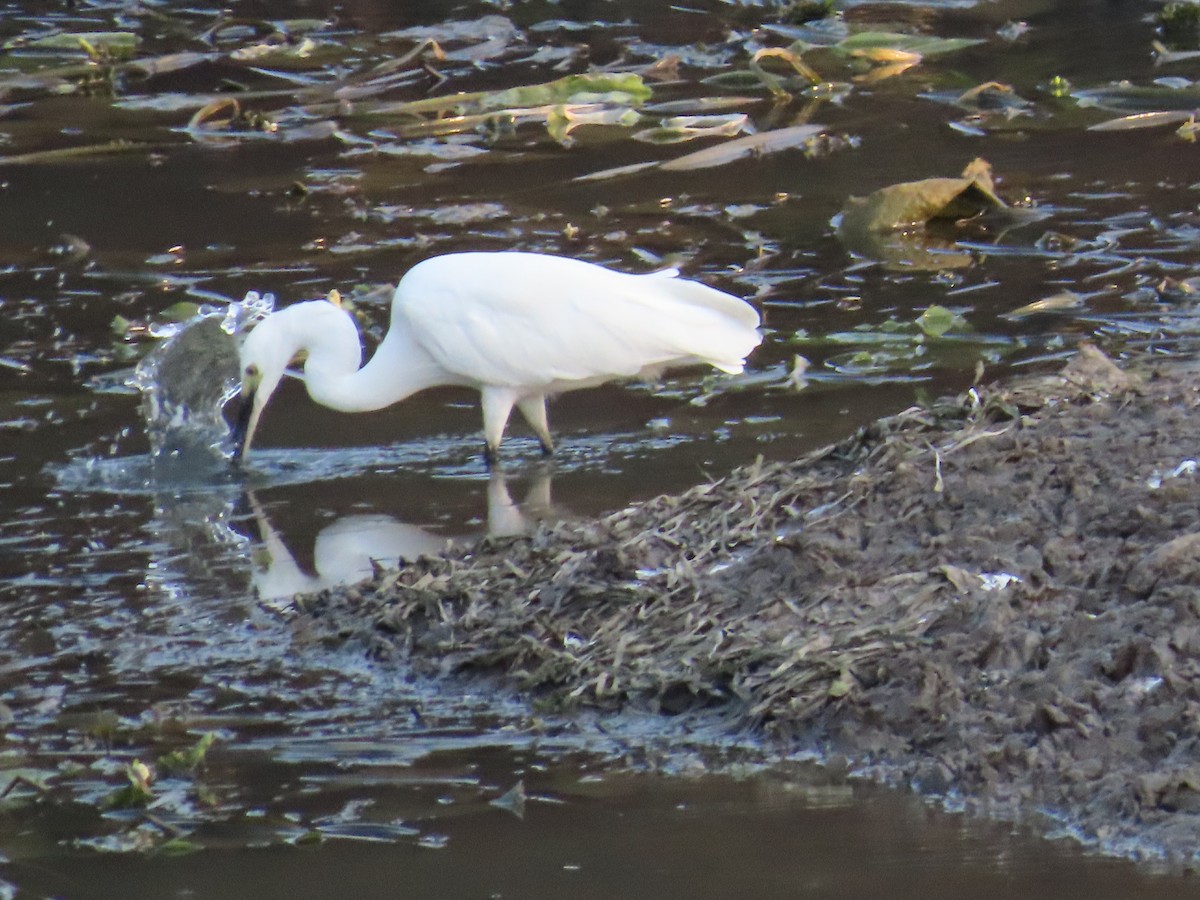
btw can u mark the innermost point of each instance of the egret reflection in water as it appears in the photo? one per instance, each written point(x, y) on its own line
point(354, 547)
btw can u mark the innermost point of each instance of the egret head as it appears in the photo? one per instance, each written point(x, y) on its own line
point(265, 356)
point(319, 330)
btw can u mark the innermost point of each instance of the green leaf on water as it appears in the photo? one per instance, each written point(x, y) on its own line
point(625, 88)
point(301, 26)
point(841, 686)
point(184, 761)
point(137, 793)
point(938, 337)
point(115, 42)
point(182, 311)
point(937, 320)
point(735, 80)
point(131, 796)
point(917, 202)
point(178, 847)
point(925, 45)
point(677, 129)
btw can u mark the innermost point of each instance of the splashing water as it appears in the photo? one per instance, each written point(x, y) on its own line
point(186, 382)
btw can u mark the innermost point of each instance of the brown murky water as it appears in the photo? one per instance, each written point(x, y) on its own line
point(142, 609)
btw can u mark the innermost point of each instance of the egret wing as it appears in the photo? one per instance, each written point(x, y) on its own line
point(524, 319)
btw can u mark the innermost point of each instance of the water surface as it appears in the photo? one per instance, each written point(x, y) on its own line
point(144, 608)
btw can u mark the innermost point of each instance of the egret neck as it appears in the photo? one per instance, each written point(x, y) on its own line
point(399, 368)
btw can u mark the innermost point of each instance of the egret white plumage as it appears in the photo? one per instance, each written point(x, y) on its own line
point(515, 326)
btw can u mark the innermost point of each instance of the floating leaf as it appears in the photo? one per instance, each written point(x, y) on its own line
point(183, 311)
point(1176, 289)
point(678, 129)
point(874, 362)
point(591, 87)
point(485, 28)
point(617, 171)
point(841, 686)
point(992, 95)
point(507, 108)
point(182, 761)
point(1144, 98)
point(137, 793)
point(61, 154)
point(917, 202)
point(562, 120)
point(170, 62)
point(275, 51)
point(699, 105)
point(739, 148)
point(178, 846)
point(118, 42)
point(1163, 54)
point(937, 321)
point(1143, 120)
point(891, 70)
point(775, 84)
point(1054, 303)
point(735, 80)
point(301, 26)
point(924, 45)
point(886, 55)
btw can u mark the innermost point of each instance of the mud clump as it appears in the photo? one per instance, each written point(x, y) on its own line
point(995, 598)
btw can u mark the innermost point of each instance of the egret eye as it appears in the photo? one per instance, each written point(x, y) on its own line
point(251, 371)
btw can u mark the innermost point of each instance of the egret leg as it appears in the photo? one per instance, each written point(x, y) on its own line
point(533, 408)
point(497, 404)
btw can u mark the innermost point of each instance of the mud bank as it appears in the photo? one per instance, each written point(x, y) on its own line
point(995, 599)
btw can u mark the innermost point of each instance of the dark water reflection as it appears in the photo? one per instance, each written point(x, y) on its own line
point(140, 611)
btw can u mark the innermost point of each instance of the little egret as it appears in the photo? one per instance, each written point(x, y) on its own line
point(514, 326)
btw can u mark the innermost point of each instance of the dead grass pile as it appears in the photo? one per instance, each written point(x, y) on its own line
point(994, 596)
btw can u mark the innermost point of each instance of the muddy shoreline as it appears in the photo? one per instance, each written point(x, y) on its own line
point(994, 599)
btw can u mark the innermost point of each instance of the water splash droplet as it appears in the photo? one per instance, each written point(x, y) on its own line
point(187, 380)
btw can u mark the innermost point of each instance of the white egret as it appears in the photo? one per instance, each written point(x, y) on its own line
point(514, 326)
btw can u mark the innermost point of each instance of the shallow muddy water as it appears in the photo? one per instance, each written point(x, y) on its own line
point(587, 831)
point(146, 606)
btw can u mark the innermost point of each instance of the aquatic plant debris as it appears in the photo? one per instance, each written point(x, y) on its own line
point(374, 189)
point(888, 598)
point(938, 337)
point(892, 224)
point(919, 202)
